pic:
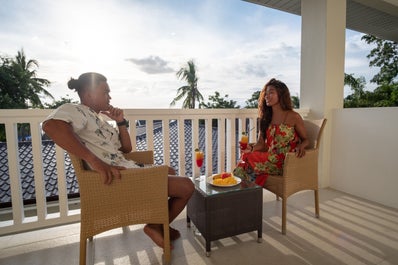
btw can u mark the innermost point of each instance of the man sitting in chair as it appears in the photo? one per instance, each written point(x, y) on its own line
point(80, 130)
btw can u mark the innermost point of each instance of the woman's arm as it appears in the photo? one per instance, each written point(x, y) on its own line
point(302, 133)
point(258, 146)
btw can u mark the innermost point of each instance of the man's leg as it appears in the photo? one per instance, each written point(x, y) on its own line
point(180, 190)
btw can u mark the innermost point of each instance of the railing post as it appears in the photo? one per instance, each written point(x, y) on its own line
point(181, 147)
point(41, 203)
point(195, 144)
point(221, 144)
point(14, 173)
point(209, 146)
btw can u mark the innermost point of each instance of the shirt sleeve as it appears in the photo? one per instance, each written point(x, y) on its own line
point(73, 114)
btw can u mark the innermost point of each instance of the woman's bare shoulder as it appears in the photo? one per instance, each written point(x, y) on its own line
point(294, 118)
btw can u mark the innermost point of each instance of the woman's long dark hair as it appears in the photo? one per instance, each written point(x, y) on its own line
point(264, 111)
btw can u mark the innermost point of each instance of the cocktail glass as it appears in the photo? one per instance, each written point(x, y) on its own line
point(199, 156)
point(244, 140)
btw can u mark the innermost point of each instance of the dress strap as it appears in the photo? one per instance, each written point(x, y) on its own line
point(284, 120)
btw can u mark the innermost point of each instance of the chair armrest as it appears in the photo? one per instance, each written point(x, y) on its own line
point(140, 191)
point(301, 167)
point(144, 157)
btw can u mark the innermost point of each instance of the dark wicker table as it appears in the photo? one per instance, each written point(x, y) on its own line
point(219, 212)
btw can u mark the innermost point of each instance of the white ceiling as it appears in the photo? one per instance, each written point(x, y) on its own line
point(376, 17)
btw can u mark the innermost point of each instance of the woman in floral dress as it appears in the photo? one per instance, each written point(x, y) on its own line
point(281, 130)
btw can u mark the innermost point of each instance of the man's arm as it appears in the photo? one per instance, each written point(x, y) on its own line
point(124, 136)
point(125, 139)
point(63, 135)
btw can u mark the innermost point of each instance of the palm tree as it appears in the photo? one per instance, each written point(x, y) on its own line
point(19, 85)
point(20, 88)
point(26, 82)
point(189, 91)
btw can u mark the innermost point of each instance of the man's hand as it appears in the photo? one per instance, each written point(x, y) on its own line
point(115, 114)
point(107, 172)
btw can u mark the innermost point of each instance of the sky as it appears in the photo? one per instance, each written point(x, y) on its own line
point(139, 45)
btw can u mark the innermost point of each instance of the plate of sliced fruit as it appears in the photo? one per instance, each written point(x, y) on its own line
point(225, 179)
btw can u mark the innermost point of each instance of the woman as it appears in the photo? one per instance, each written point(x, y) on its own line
point(281, 130)
point(81, 130)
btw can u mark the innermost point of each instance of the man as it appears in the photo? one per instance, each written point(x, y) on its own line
point(81, 130)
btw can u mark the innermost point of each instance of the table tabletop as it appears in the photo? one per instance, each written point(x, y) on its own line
point(207, 189)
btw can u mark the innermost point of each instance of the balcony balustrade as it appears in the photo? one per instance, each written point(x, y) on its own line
point(216, 131)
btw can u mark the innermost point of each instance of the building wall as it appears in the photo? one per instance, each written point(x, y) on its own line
point(364, 153)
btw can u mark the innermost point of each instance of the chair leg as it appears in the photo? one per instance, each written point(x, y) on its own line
point(284, 204)
point(316, 194)
point(166, 250)
point(83, 251)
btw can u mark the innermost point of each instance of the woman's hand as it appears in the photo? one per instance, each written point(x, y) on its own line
point(300, 150)
point(248, 149)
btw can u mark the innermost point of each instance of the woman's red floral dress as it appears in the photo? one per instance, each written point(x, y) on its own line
point(258, 165)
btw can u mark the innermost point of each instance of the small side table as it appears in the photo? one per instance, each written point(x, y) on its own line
point(220, 212)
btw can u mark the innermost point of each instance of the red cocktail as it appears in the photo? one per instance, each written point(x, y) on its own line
point(199, 156)
point(244, 140)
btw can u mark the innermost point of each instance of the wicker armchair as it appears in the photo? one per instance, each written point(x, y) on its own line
point(140, 197)
point(299, 173)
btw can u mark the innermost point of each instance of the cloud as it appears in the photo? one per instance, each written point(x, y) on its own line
point(152, 65)
point(237, 47)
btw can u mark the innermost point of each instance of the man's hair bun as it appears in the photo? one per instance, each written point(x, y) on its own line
point(74, 84)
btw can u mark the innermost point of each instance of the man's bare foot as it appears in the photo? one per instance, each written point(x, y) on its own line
point(155, 233)
point(174, 234)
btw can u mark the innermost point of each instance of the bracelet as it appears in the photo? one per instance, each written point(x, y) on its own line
point(124, 122)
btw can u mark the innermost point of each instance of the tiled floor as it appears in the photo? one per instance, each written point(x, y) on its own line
point(350, 231)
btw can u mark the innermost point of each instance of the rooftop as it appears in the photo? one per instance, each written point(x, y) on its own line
point(50, 170)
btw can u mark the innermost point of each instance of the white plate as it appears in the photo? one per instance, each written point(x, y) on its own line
point(210, 181)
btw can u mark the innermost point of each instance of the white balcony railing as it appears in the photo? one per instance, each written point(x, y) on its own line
point(231, 122)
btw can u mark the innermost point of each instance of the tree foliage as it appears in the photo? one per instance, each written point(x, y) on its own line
point(295, 102)
point(56, 103)
point(384, 56)
point(20, 88)
point(359, 97)
point(189, 91)
point(252, 103)
point(217, 102)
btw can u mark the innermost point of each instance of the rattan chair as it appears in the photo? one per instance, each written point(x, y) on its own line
point(140, 197)
point(299, 173)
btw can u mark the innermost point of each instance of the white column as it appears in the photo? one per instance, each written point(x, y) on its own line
point(322, 67)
